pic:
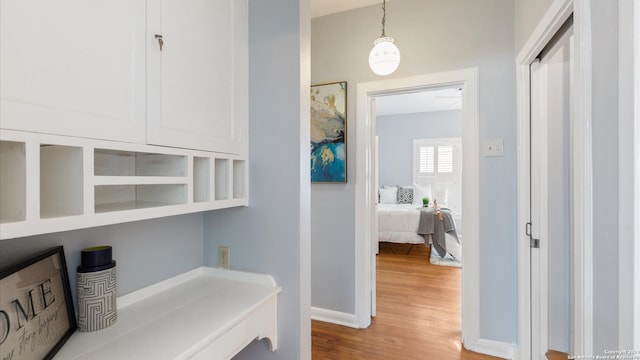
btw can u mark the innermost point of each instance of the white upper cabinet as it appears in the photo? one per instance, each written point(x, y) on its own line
point(198, 74)
point(96, 70)
point(88, 88)
point(75, 68)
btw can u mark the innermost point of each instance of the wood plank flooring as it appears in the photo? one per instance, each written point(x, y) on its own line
point(418, 314)
point(557, 355)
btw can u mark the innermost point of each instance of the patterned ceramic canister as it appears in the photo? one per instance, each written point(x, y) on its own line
point(96, 289)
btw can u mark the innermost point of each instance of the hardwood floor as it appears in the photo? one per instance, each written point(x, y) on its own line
point(557, 355)
point(418, 314)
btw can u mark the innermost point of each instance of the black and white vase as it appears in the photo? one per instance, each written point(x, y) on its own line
point(96, 289)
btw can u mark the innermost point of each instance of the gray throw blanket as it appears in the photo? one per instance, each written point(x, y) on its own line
point(430, 224)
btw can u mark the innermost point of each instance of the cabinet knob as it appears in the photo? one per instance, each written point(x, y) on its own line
point(160, 41)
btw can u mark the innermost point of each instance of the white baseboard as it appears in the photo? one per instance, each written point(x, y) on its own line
point(334, 317)
point(495, 348)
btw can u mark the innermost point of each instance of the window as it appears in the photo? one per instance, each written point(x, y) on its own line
point(426, 157)
point(438, 163)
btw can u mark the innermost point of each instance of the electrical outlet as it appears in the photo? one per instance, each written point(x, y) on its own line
point(224, 260)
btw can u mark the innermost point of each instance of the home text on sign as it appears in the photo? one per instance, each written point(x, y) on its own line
point(22, 314)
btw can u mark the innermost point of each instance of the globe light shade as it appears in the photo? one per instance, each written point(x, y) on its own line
point(384, 58)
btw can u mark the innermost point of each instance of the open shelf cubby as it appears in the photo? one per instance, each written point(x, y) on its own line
point(12, 181)
point(221, 179)
point(61, 181)
point(130, 163)
point(128, 197)
point(201, 179)
point(238, 179)
point(52, 183)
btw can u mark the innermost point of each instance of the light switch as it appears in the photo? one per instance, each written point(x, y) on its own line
point(493, 148)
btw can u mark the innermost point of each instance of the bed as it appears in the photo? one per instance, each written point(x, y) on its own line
point(399, 223)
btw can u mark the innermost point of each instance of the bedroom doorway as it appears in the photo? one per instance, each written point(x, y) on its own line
point(418, 158)
point(367, 192)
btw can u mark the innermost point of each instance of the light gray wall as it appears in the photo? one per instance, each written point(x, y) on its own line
point(146, 252)
point(272, 234)
point(395, 140)
point(433, 36)
point(528, 14)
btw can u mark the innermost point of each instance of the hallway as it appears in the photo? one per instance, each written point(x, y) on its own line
point(418, 314)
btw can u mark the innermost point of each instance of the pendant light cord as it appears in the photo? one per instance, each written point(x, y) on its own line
point(384, 16)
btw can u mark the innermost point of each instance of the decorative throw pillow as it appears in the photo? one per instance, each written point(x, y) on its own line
point(420, 192)
point(388, 195)
point(405, 195)
point(442, 195)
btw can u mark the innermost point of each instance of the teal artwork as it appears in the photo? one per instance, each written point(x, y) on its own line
point(328, 133)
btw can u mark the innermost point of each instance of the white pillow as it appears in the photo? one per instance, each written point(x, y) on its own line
point(420, 192)
point(388, 195)
point(442, 196)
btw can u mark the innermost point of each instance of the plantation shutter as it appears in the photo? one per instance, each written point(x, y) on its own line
point(426, 159)
point(438, 163)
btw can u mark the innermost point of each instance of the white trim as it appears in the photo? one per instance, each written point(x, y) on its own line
point(495, 348)
point(304, 279)
point(335, 317)
point(582, 270)
point(468, 79)
point(582, 183)
point(636, 221)
point(373, 216)
point(558, 13)
point(523, 185)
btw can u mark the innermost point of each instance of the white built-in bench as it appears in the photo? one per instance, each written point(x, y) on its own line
point(206, 313)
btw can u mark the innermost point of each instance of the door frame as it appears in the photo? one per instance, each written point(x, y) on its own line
point(364, 202)
point(582, 183)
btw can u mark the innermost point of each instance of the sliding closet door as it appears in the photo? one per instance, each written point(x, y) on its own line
point(550, 198)
point(538, 206)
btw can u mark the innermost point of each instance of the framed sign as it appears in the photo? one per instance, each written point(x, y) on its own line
point(36, 308)
point(329, 133)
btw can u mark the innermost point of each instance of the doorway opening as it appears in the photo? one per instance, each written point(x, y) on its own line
point(417, 162)
point(418, 166)
point(366, 192)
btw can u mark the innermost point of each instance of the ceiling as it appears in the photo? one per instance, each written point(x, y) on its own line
point(326, 7)
point(417, 102)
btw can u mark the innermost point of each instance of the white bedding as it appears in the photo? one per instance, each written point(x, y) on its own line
point(398, 223)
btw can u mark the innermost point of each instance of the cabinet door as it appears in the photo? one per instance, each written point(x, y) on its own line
point(198, 79)
point(74, 68)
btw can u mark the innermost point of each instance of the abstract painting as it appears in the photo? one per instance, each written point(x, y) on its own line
point(328, 133)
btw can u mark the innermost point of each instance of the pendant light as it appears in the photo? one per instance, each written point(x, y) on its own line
point(384, 58)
